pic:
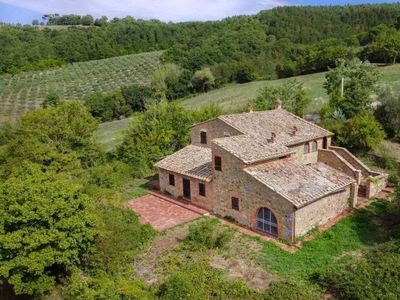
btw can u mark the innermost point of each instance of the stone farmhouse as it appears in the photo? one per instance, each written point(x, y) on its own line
point(270, 171)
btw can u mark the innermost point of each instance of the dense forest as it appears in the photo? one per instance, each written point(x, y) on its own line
point(279, 42)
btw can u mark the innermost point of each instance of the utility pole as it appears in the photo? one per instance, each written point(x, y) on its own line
point(342, 87)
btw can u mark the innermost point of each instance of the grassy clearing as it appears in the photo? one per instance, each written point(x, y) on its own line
point(138, 187)
point(237, 96)
point(258, 263)
point(110, 134)
point(24, 92)
point(349, 235)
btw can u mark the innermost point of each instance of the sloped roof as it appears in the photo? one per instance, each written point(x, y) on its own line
point(250, 150)
point(192, 161)
point(261, 124)
point(298, 183)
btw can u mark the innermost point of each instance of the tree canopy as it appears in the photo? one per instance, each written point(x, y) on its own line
point(291, 93)
point(46, 224)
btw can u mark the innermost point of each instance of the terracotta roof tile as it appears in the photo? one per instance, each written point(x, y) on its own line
point(251, 150)
point(262, 124)
point(192, 161)
point(298, 183)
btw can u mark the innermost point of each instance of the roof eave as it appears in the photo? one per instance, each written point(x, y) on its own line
point(343, 187)
point(253, 162)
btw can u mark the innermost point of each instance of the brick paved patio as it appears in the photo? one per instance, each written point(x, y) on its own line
point(163, 212)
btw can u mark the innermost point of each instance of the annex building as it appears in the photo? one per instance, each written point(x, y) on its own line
point(270, 171)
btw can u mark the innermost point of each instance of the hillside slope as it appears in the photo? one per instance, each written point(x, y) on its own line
point(26, 91)
point(237, 96)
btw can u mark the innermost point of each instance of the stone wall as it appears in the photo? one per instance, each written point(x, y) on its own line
point(320, 211)
point(306, 158)
point(375, 184)
point(332, 159)
point(354, 161)
point(206, 202)
point(232, 181)
point(214, 128)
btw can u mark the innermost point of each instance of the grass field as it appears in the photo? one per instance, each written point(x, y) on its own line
point(110, 133)
point(26, 91)
point(237, 96)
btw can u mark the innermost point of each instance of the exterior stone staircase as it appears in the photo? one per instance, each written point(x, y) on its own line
point(369, 182)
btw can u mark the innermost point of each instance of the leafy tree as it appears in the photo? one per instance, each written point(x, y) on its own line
point(245, 73)
point(58, 138)
point(388, 112)
point(102, 22)
point(107, 107)
point(207, 112)
point(46, 224)
point(87, 20)
point(163, 77)
point(52, 99)
point(360, 80)
point(6, 133)
point(137, 96)
point(203, 80)
point(362, 133)
point(35, 22)
point(291, 93)
point(159, 131)
point(285, 70)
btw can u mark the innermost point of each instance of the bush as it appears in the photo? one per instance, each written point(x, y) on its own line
point(122, 237)
point(205, 234)
point(197, 280)
point(283, 290)
point(374, 277)
point(109, 175)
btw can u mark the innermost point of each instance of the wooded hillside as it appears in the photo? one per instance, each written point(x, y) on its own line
point(284, 39)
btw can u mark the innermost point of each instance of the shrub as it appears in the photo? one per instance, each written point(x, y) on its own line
point(205, 234)
point(374, 277)
point(283, 290)
point(198, 280)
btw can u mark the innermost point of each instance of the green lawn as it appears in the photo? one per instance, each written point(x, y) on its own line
point(351, 234)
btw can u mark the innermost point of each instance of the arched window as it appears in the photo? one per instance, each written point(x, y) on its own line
point(266, 221)
point(306, 148)
point(314, 146)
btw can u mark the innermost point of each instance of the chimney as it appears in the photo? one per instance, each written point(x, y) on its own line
point(250, 108)
point(273, 137)
point(294, 130)
point(278, 104)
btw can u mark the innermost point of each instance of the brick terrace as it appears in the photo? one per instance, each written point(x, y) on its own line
point(163, 212)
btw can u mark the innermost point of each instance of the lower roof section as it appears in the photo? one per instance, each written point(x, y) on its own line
point(300, 184)
point(192, 161)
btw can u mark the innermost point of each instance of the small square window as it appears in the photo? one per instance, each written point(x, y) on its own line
point(218, 163)
point(235, 203)
point(171, 179)
point(203, 137)
point(202, 189)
